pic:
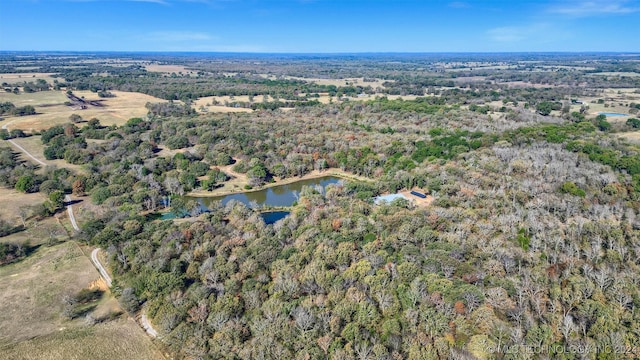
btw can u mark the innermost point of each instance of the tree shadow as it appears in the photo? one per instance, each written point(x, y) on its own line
point(72, 202)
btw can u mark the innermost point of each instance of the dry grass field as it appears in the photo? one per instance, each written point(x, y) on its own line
point(168, 69)
point(13, 201)
point(615, 101)
point(630, 74)
point(342, 82)
point(31, 306)
point(34, 287)
point(13, 78)
point(52, 110)
point(35, 147)
point(208, 101)
point(38, 99)
point(50, 230)
point(114, 340)
point(632, 137)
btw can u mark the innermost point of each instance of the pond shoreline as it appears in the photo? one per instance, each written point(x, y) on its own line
point(312, 175)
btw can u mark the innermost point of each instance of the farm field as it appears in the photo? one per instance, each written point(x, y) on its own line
point(342, 82)
point(208, 101)
point(52, 110)
point(13, 78)
point(168, 68)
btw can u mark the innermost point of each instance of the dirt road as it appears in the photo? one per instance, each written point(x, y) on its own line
point(101, 269)
point(23, 149)
point(67, 198)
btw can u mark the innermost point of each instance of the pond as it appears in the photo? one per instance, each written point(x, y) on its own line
point(281, 195)
point(611, 114)
point(271, 217)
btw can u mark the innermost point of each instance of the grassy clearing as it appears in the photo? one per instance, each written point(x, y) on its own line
point(119, 339)
point(37, 99)
point(17, 200)
point(13, 78)
point(35, 147)
point(632, 137)
point(31, 302)
point(418, 201)
point(339, 82)
point(116, 110)
point(622, 73)
point(208, 101)
point(167, 68)
point(31, 308)
point(40, 233)
point(615, 101)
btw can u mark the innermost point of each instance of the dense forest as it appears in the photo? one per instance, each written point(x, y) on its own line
point(529, 249)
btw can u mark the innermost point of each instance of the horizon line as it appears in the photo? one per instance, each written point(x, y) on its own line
point(315, 53)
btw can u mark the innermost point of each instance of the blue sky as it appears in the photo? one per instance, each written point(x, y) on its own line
point(316, 26)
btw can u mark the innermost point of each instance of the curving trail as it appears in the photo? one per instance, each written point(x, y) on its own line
point(144, 321)
point(147, 325)
point(101, 269)
point(23, 149)
point(67, 198)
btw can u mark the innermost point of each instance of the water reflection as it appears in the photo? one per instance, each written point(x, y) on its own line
point(283, 195)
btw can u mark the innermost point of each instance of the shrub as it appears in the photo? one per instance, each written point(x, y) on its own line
point(572, 189)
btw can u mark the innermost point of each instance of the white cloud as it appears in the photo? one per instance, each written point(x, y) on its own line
point(511, 34)
point(595, 7)
point(505, 34)
point(177, 36)
point(459, 5)
point(151, 1)
point(162, 2)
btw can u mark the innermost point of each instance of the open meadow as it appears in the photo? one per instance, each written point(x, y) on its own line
point(17, 201)
point(374, 83)
point(12, 78)
point(35, 147)
point(167, 68)
point(51, 109)
point(32, 311)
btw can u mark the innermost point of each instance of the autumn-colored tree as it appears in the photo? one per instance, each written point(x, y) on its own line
point(78, 187)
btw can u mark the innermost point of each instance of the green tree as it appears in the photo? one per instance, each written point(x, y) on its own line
point(26, 184)
point(57, 198)
point(544, 108)
point(75, 118)
point(25, 110)
point(100, 195)
point(633, 122)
